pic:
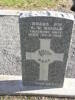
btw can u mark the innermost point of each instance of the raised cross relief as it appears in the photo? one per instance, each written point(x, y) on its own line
point(44, 56)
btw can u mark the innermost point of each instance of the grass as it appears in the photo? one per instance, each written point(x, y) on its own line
point(30, 4)
point(32, 98)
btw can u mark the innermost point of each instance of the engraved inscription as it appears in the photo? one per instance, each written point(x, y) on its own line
point(44, 56)
point(45, 29)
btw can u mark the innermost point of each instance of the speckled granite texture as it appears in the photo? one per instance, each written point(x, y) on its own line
point(10, 53)
point(10, 58)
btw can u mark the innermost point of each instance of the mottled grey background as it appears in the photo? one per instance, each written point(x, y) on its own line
point(10, 52)
point(10, 58)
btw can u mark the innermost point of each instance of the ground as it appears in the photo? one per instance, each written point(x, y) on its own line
point(33, 98)
point(35, 4)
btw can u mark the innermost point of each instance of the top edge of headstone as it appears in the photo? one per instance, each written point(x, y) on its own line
point(47, 14)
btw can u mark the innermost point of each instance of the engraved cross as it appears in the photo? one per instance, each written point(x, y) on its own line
point(44, 56)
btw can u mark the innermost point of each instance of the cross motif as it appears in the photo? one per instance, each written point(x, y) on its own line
point(44, 56)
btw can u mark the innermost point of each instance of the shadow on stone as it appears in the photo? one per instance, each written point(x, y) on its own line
point(15, 86)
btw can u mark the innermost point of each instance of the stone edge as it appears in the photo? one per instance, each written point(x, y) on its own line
point(49, 13)
point(58, 14)
point(68, 89)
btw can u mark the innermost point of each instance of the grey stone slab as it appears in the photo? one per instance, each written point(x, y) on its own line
point(10, 57)
point(45, 41)
point(70, 70)
point(12, 85)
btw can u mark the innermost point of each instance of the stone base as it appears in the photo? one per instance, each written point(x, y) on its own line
point(12, 85)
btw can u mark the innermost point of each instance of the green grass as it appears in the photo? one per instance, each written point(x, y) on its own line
point(32, 98)
point(29, 4)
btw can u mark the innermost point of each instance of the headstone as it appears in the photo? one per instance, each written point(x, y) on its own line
point(45, 39)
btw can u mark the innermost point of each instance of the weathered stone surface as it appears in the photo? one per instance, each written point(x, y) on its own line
point(70, 71)
point(12, 85)
point(10, 58)
point(45, 40)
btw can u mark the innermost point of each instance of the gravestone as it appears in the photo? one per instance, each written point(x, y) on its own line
point(45, 40)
